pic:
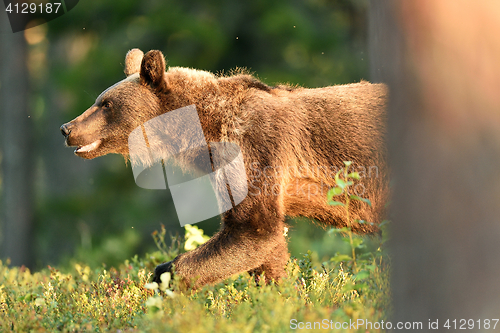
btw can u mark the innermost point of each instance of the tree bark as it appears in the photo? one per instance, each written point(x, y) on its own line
point(440, 60)
point(16, 149)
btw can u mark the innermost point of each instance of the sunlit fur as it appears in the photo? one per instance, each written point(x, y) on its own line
point(287, 136)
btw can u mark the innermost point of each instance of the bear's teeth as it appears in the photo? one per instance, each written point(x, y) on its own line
point(89, 147)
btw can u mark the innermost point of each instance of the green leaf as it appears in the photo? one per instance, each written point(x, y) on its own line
point(333, 192)
point(337, 175)
point(335, 203)
point(39, 301)
point(360, 286)
point(346, 240)
point(362, 275)
point(348, 287)
point(340, 257)
point(357, 242)
point(347, 163)
point(340, 230)
point(371, 267)
point(355, 197)
point(354, 175)
point(340, 183)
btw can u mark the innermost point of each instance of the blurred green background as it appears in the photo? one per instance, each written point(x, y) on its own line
point(92, 210)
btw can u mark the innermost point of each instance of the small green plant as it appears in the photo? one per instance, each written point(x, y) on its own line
point(344, 181)
point(165, 252)
point(365, 266)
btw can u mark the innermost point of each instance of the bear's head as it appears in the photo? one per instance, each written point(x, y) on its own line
point(104, 127)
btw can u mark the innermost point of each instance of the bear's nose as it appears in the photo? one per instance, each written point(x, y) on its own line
point(65, 130)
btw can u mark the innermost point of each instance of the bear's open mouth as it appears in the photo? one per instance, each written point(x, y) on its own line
point(87, 148)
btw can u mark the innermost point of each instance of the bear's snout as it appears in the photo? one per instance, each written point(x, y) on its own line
point(66, 130)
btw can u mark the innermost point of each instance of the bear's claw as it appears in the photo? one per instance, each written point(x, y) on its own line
point(160, 269)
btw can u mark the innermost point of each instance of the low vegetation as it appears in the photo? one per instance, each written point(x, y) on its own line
point(317, 295)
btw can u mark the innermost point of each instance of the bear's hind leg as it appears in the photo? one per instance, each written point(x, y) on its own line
point(307, 198)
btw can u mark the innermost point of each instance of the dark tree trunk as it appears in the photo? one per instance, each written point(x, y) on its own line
point(441, 62)
point(16, 149)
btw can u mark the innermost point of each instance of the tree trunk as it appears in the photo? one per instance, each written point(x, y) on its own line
point(16, 149)
point(440, 59)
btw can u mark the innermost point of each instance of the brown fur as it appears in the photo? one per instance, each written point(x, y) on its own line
point(292, 139)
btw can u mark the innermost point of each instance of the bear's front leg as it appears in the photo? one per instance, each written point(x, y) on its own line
point(250, 239)
point(274, 266)
point(160, 269)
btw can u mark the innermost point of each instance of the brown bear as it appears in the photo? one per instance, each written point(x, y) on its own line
point(292, 140)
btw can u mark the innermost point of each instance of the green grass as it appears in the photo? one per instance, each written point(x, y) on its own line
point(78, 298)
point(344, 289)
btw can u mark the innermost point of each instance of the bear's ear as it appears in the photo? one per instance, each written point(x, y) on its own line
point(153, 70)
point(133, 61)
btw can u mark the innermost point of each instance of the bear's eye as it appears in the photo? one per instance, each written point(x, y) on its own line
point(107, 105)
